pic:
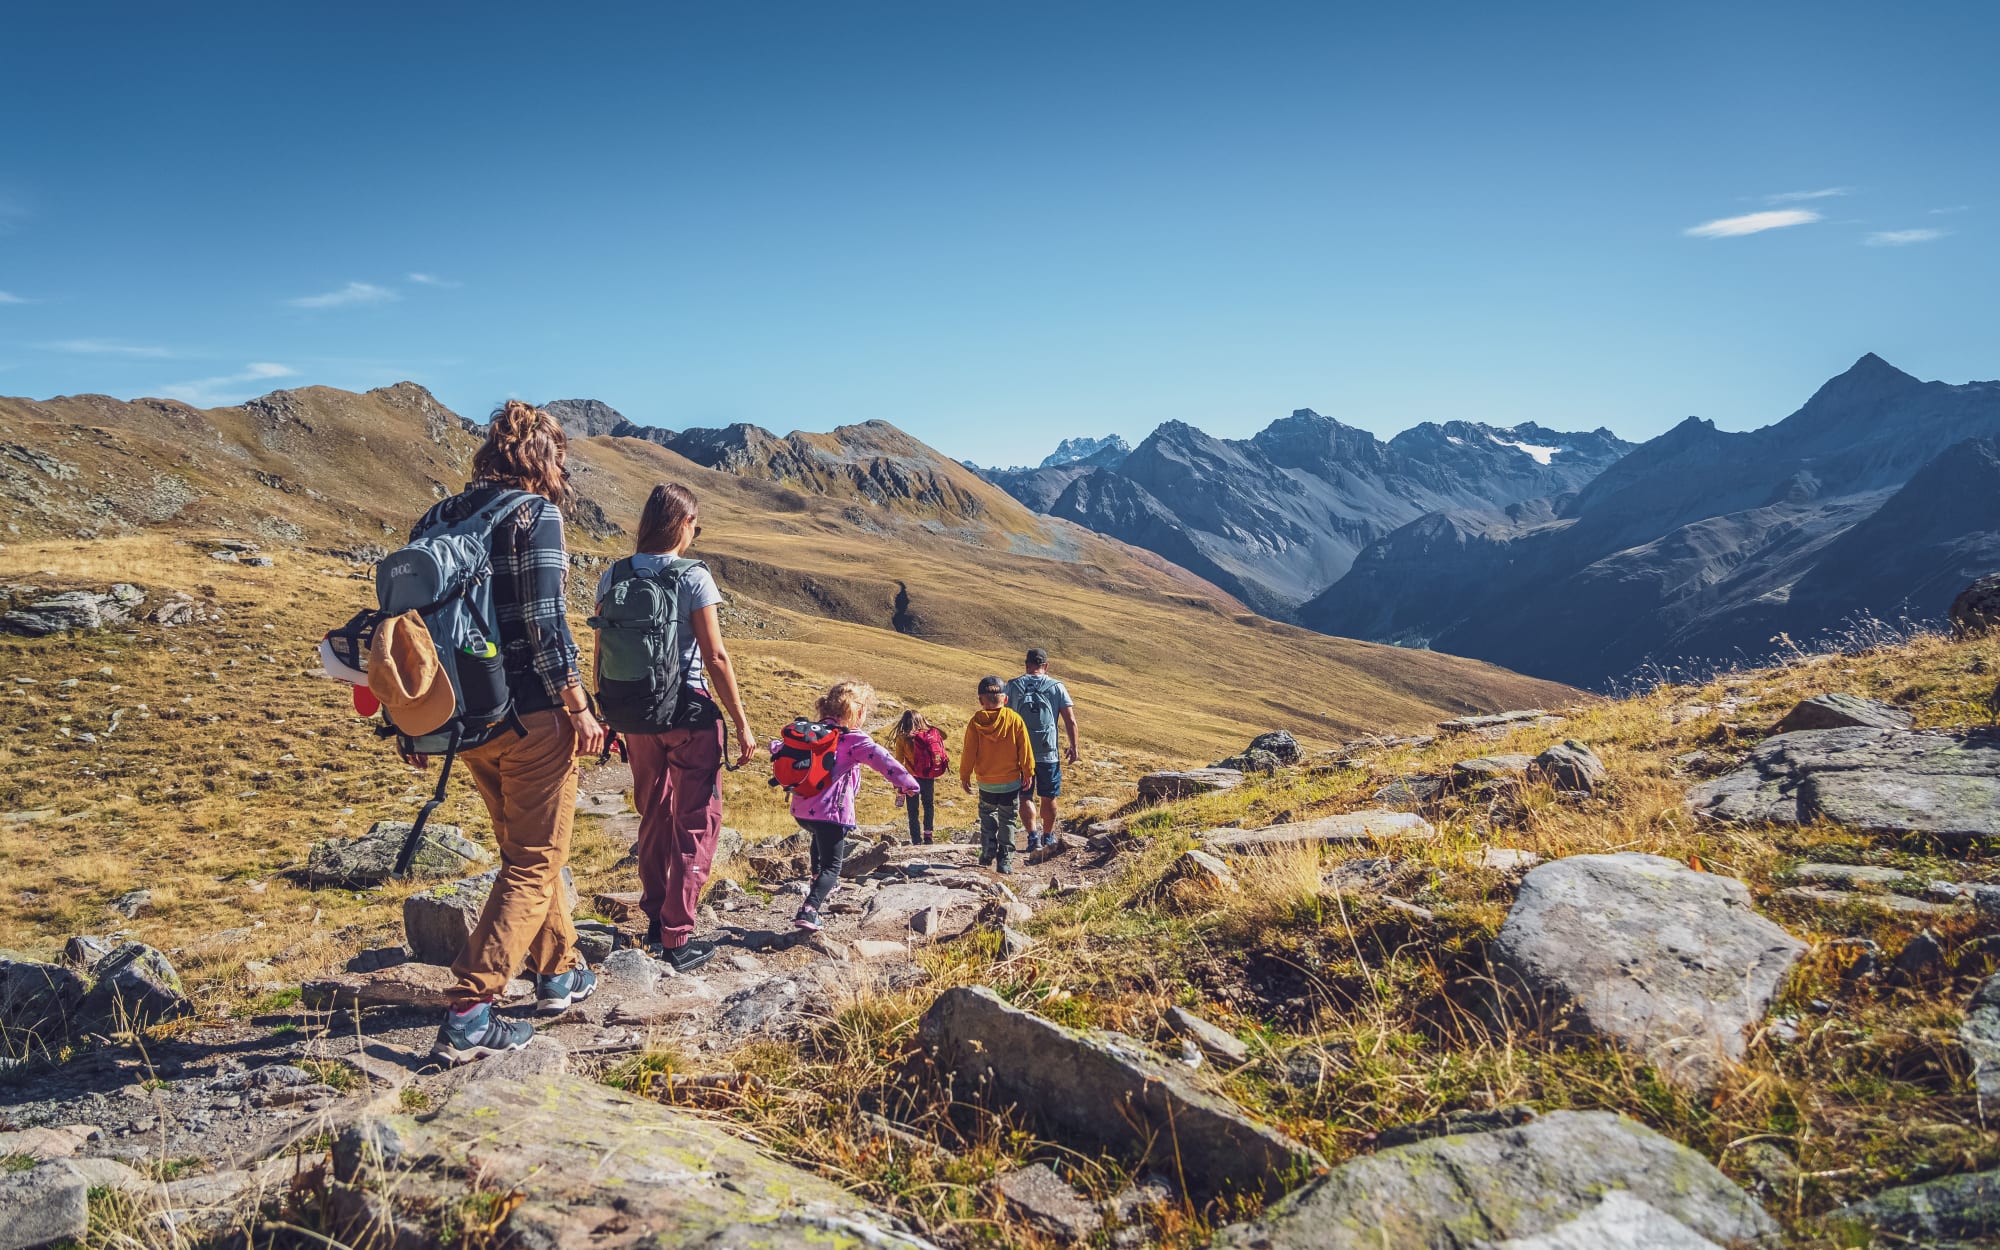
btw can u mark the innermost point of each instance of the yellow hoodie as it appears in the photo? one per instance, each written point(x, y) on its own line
point(997, 750)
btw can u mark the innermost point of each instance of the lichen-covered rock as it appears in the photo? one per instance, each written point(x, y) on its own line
point(1164, 787)
point(1252, 761)
point(1570, 765)
point(1843, 711)
point(370, 860)
point(1879, 780)
point(135, 986)
point(1530, 1182)
point(1673, 963)
point(1343, 827)
point(1976, 610)
point(1280, 744)
point(437, 921)
point(1101, 1089)
point(1963, 1209)
point(588, 1159)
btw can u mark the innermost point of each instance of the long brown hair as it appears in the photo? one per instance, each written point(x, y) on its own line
point(525, 448)
point(670, 507)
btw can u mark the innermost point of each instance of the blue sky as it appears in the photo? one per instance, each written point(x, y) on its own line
point(1000, 224)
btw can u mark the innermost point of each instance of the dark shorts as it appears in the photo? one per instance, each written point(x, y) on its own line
point(1048, 778)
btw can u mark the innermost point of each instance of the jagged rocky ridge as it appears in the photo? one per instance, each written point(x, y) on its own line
point(1278, 517)
point(1881, 495)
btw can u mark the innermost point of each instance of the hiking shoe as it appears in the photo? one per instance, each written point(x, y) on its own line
point(478, 1033)
point(807, 919)
point(930, 838)
point(555, 994)
point(1005, 866)
point(688, 957)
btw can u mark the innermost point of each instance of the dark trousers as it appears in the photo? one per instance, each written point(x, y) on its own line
point(925, 797)
point(829, 852)
point(997, 813)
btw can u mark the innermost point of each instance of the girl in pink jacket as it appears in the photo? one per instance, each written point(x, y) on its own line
point(828, 817)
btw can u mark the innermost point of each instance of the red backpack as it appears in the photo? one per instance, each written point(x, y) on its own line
point(803, 764)
point(928, 757)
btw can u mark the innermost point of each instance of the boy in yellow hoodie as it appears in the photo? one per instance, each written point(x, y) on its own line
point(998, 753)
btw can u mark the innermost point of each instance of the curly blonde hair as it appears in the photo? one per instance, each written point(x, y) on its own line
point(847, 703)
point(526, 449)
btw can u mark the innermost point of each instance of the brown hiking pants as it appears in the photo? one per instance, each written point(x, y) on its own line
point(529, 784)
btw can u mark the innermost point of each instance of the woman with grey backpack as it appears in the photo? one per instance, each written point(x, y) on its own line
point(665, 682)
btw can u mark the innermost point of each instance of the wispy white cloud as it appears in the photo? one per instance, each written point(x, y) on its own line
point(1794, 197)
point(1903, 238)
point(1752, 223)
point(1955, 208)
point(352, 293)
point(110, 347)
point(8, 297)
point(431, 279)
point(215, 392)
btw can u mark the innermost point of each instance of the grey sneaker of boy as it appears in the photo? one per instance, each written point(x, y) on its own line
point(478, 1034)
point(555, 994)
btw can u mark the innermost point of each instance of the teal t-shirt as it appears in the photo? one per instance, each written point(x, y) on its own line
point(1040, 699)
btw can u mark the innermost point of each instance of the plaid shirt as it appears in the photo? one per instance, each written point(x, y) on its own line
point(530, 562)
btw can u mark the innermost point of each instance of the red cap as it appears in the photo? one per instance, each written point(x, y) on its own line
point(365, 702)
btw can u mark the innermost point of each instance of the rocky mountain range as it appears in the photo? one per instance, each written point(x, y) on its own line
point(1278, 517)
point(1879, 497)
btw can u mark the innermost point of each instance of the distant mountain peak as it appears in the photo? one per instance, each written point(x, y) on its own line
point(1868, 380)
point(1107, 452)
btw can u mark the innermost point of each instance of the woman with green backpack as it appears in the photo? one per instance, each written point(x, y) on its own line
point(658, 629)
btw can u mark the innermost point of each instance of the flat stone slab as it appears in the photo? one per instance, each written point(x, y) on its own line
point(1325, 830)
point(370, 860)
point(589, 1159)
point(1103, 1089)
point(1852, 874)
point(1165, 787)
point(1473, 724)
point(404, 985)
point(1673, 963)
point(1841, 711)
point(1898, 904)
point(1490, 768)
point(1878, 780)
point(1510, 1187)
point(1963, 1209)
point(891, 908)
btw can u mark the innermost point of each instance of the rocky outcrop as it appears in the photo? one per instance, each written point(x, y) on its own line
point(1672, 963)
point(1879, 780)
point(370, 860)
point(1343, 827)
point(437, 921)
point(1165, 787)
point(587, 1160)
point(1976, 610)
point(130, 987)
point(1538, 1181)
point(1105, 1090)
point(1843, 711)
point(1957, 1210)
point(74, 610)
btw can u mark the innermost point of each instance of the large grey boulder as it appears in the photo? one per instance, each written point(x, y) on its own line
point(369, 860)
point(1843, 711)
point(1165, 787)
point(437, 921)
point(1879, 780)
point(1963, 1209)
point(1280, 744)
point(135, 986)
point(1511, 1187)
point(1570, 765)
point(1102, 1089)
point(588, 1160)
point(38, 999)
point(1980, 1035)
point(43, 1204)
point(1673, 963)
point(1976, 610)
point(1345, 827)
point(74, 610)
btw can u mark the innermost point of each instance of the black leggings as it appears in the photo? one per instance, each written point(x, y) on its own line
point(926, 797)
point(829, 851)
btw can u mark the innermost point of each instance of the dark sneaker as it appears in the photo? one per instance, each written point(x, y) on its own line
point(479, 1033)
point(556, 994)
point(807, 919)
point(1005, 866)
point(930, 838)
point(688, 957)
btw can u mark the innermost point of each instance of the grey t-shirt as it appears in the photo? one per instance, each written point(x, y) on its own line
point(1041, 736)
point(698, 591)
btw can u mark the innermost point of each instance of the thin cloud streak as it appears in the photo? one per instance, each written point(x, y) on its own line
point(108, 347)
point(8, 297)
point(1751, 223)
point(431, 279)
point(1793, 197)
point(216, 392)
point(352, 293)
point(1955, 208)
point(1902, 238)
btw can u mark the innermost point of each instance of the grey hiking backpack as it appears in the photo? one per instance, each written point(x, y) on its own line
point(1035, 707)
point(445, 576)
point(639, 674)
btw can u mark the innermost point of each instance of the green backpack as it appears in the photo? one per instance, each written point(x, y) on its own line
point(639, 675)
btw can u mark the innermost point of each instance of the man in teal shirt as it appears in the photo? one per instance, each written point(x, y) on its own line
point(1042, 702)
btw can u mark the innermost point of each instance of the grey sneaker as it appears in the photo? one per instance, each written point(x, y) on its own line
point(555, 994)
point(479, 1033)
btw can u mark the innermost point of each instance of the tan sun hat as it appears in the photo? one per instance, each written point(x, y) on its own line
point(404, 673)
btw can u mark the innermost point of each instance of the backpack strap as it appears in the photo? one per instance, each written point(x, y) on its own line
point(408, 855)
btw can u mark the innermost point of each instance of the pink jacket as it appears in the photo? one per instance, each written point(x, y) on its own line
point(835, 804)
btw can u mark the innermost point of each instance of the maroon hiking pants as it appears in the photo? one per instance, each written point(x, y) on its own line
point(677, 787)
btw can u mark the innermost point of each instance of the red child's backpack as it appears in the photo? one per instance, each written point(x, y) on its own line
point(803, 762)
point(929, 759)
